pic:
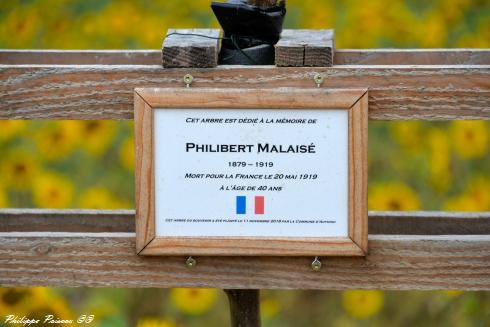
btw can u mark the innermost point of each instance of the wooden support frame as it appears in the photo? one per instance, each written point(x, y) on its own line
point(94, 248)
point(106, 91)
point(352, 100)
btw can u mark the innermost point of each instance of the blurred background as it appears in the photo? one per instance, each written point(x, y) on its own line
point(90, 164)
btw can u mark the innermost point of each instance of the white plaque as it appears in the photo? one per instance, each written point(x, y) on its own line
point(268, 173)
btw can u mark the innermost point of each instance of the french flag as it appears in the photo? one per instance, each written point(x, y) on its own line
point(241, 205)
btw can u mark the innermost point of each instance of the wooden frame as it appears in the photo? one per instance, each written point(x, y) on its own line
point(353, 100)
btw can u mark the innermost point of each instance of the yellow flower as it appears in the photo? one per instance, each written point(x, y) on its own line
point(35, 303)
point(23, 23)
point(4, 203)
point(452, 293)
point(12, 298)
point(193, 301)
point(98, 197)
point(439, 160)
point(461, 203)
point(56, 140)
point(52, 191)
point(155, 322)
point(96, 135)
point(470, 138)
point(476, 197)
point(269, 307)
point(11, 128)
point(56, 308)
point(17, 170)
point(126, 153)
point(362, 304)
point(392, 196)
point(408, 134)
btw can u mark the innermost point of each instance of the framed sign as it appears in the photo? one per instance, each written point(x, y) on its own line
point(251, 171)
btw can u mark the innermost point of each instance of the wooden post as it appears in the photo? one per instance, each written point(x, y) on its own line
point(305, 48)
point(244, 308)
point(184, 48)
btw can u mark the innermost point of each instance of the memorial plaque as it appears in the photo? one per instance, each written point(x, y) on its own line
point(251, 172)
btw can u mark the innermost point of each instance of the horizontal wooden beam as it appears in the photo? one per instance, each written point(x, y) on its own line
point(342, 57)
point(105, 221)
point(412, 57)
point(106, 91)
point(67, 220)
point(429, 223)
point(109, 260)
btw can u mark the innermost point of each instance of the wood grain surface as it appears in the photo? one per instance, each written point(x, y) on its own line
point(412, 57)
point(106, 91)
point(252, 246)
point(109, 260)
point(144, 176)
point(305, 48)
point(358, 173)
point(244, 98)
point(154, 57)
point(191, 48)
point(104, 221)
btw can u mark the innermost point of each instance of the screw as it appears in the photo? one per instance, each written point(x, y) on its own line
point(316, 265)
point(188, 79)
point(191, 262)
point(318, 79)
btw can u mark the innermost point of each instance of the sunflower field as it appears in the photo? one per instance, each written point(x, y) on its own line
point(413, 165)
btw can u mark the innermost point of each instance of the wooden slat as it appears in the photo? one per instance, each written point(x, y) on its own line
point(106, 92)
point(429, 223)
point(80, 57)
point(305, 48)
point(144, 176)
point(358, 172)
point(109, 260)
point(191, 50)
point(412, 57)
point(380, 222)
point(252, 246)
point(154, 57)
point(284, 98)
point(66, 220)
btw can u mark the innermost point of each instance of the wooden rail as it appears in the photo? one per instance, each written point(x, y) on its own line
point(108, 260)
point(410, 250)
point(342, 57)
point(40, 247)
point(122, 221)
point(73, 91)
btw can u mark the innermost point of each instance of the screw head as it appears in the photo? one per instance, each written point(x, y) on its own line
point(188, 79)
point(316, 265)
point(191, 262)
point(318, 79)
